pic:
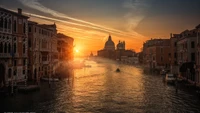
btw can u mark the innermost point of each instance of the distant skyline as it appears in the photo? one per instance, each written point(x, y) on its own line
point(90, 22)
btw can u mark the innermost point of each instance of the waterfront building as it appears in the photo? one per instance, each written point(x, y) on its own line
point(43, 54)
point(173, 57)
point(13, 47)
point(156, 54)
point(65, 47)
point(198, 56)
point(109, 49)
point(186, 50)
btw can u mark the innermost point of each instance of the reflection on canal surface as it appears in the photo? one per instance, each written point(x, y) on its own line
point(100, 89)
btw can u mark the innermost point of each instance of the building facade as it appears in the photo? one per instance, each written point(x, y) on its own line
point(13, 47)
point(43, 54)
point(65, 47)
point(156, 53)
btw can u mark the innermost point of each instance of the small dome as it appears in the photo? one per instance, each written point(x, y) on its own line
point(109, 45)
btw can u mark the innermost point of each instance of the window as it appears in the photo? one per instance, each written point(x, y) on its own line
point(24, 27)
point(9, 48)
point(29, 43)
point(175, 44)
point(5, 48)
point(5, 24)
point(24, 48)
point(153, 58)
point(161, 50)
point(175, 55)
point(24, 62)
point(15, 26)
point(15, 48)
point(161, 59)
point(193, 57)
point(9, 73)
point(15, 62)
point(14, 72)
point(29, 29)
point(9, 24)
point(1, 22)
point(185, 45)
point(192, 44)
point(1, 47)
point(23, 71)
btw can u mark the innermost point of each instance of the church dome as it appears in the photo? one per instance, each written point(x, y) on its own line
point(109, 45)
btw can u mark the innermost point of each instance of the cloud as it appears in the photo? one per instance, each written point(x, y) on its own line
point(72, 21)
point(136, 12)
point(89, 35)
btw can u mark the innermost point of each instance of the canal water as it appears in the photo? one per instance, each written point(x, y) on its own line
point(100, 89)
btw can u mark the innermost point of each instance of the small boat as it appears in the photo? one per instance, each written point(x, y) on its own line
point(164, 72)
point(117, 70)
point(50, 79)
point(170, 78)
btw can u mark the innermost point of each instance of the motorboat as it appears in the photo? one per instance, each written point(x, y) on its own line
point(164, 72)
point(170, 78)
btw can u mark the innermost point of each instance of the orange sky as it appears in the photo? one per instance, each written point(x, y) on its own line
point(88, 40)
point(90, 22)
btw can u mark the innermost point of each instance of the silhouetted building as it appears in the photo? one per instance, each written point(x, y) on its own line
point(65, 47)
point(110, 52)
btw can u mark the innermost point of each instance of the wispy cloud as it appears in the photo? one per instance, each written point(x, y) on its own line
point(93, 34)
point(69, 20)
point(136, 12)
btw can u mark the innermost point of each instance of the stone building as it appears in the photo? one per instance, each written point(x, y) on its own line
point(156, 53)
point(43, 54)
point(65, 47)
point(13, 47)
point(109, 49)
point(198, 56)
point(118, 54)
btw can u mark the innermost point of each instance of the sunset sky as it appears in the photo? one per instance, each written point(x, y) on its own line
point(90, 22)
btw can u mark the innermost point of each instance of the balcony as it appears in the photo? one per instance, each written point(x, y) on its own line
point(5, 55)
point(45, 62)
point(44, 50)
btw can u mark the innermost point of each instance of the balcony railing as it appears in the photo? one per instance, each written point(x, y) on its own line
point(45, 62)
point(5, 55)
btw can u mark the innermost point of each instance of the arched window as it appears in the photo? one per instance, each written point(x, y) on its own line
point(5, 48)
point(24, 27)
point(15, 48)
point(1, 22)
point(1, 47)
point(15, 72)
point(9, 48)
point(24, 48)
point(15, 26)
point(5, 24)
point(9, 73)
point(9, 23)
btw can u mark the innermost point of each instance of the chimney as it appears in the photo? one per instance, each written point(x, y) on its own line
point(19, 11)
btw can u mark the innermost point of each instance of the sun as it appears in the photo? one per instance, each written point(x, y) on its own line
point(77, 51)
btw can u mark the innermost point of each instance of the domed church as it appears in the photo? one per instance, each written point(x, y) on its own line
point(109, 50)
point(109, 45)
